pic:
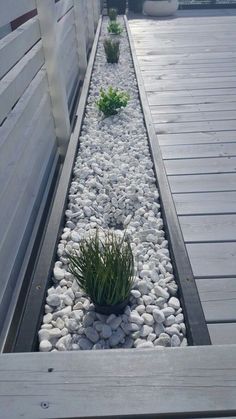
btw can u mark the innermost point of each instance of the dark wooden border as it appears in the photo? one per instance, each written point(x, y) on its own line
point(194, 317)
point(26, 339)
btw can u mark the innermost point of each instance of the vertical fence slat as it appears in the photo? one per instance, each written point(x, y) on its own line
point(80, 35)
point(91, 29)
point(96, 12)
point(57, 89)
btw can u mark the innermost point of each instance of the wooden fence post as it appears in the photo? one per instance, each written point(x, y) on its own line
point(57, 89)
point(96, 12)
point(80, 35)
point(91, 29)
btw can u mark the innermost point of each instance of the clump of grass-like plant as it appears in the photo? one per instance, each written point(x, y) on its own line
point(114, 28)
point(112, 13)
point(104, 268)
point(112, 50)
point(111, 101)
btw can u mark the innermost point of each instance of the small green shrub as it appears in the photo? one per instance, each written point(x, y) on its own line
point(112, 13)
point(114, 28)
point(104, 269)
point(111, 101)
point(112, 50)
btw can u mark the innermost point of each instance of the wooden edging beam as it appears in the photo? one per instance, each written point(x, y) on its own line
point(26, 338)
point(191, 382)
point(198, 333)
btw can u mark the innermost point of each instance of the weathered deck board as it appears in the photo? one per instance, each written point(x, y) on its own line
point(187, 66)
point(223, 333)
point(199, 150)
point(200, 166)
point(117, 383)
point(208, 228)
point(212, 259)
point(205, 203)
point(218, 297)
point(198, 138)
point(203, 183)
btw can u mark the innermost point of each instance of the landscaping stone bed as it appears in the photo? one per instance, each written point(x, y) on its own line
point(113, 187)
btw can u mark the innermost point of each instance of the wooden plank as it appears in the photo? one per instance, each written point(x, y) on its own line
point(17, 43)
point(204, 126)
point(16, 124)
point(223, 333)
point(213, 259)
point(201, 107)
point(13, 85)
point(165, 85)
point(48, 27)
point(203, 183)
point(62, 7)
point(207, 96)
point(218, 297)
point(193, 116)
point(200, 166)
point(12, 9)
point(197, 138)
point(166, 74)
point(172, 382)
point(198, 332)
point(191, 151)
point(208, 228)
point(205, 203)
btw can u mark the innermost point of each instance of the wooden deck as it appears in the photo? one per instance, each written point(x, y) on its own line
point(188, 68)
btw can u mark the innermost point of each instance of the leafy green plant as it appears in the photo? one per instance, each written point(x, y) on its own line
point(112, 50)
point(114, 28)
point(112, 13)
point(104, 268)
point(112, 100)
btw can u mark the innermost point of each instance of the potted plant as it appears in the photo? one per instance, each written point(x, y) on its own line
point(160, 7)
point(120, 5)
point(104, 269)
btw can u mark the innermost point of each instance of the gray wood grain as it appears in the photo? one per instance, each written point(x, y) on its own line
point(197, 138)
point(201, 96)
point(193, 116)
point(205, 203)
point(199, 150)
point(203, 183)
point(190, 127)
point(223, 333)
point(103, 383)
point(218, 297)
point(212, 259)
point(208, 228)
point(202, 107)
point(200, 166)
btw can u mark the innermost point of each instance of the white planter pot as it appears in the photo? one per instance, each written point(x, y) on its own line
point(160, 8)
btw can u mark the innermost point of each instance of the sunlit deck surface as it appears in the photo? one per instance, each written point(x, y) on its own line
point(188, 65)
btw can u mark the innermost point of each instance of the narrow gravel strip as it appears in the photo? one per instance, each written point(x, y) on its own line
point(114, 188)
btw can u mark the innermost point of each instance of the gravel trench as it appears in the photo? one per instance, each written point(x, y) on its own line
point(114, 187)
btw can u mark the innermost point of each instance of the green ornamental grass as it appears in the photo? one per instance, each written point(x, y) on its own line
point(114, 28)
point(112, 50)
point(112, 13)
point(111, 101)
point(104, 269)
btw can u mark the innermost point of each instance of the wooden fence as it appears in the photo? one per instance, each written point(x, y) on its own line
point(42, 64)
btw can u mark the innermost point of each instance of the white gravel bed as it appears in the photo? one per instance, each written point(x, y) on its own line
point(114, 187)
